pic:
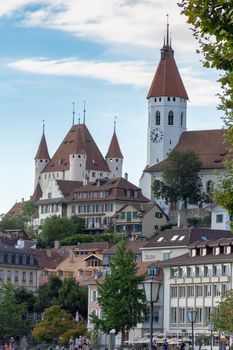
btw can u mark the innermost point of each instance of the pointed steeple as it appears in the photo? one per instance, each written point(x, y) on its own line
point(167, 80)
point(42, 152)
point(114, 150)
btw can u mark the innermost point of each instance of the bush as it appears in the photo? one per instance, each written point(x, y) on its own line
point(75, 332)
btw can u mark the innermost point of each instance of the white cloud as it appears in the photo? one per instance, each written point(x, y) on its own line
point(117, 21)
point(202, 92)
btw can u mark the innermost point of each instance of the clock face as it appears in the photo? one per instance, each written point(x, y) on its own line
point(156, 135)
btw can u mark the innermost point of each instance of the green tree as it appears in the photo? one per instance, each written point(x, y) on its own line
point(78, 224)
point(48, 294)
point(180, 179)
point(72, 297)
point(8, 223)
point(223, 314)
point(55, 323)
point(12, 321)
point(212, 24)
point(120, 296)
point(56, 228)
point(26, 297)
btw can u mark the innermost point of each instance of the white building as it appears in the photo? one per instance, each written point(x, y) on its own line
point(220, 218)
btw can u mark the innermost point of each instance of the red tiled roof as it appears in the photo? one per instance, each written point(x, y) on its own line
point(114, 150)
point(67, 186)
point(16, 210)
point(78, 140)
point(42, 152)
point(207, 144)
point(167, 80)
point(37, 193)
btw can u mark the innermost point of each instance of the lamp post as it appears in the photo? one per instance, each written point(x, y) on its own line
point(151, 288)
point(211, 329)
point(192, 315)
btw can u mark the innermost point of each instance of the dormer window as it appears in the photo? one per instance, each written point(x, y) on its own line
point(170, 118)
point(203, 251)
point(193, 252)
point(227, 250)
point(216, 251)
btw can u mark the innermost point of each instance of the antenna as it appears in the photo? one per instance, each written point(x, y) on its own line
point(115, 123)
point(167, 43)
point(84, 111)
point(73, 112)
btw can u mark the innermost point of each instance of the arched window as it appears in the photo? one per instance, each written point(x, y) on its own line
point(170, 118)
point(157, 118)
point(181, 118)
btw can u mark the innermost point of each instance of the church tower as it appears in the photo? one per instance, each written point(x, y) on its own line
point(41, 159)
point(114, 157)
point(167, 104)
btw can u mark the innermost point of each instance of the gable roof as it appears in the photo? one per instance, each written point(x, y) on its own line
point(167, 80)
point(208, 145)
point(77, 141)
point(184, 237)
point(114, 150)
point(42, 152)
point(67, 186)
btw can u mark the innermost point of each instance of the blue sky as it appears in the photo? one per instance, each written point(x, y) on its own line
point(54, 52)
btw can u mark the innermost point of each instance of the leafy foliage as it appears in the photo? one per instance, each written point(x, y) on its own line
point(8, 223)
point(85, 238)
point(12, 322)
point(223, 314)
point(180, 179)
point(120, 297)
point(72, 297)
point(55, 323)
point(48, 294)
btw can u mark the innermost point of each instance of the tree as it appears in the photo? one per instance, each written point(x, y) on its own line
point(56, 228)
point(72, 297)
point(55, 323)
point(26, 297)
point(8, 223)
point(180, 179)
point(212, 22)
point(223, 314)
point(12, 322)
point(120, 296)
point(48, 294)
point(78, 224)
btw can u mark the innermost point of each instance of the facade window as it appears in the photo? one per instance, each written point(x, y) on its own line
point(190, 271)
point(219, 218)
point(9, 258)
point(174, 99)
point(190, 291)
point(175, 272)
point(31, 277)
point(157, 118)
point(170, 118)
point(73, 209)
point(16, 276)
point(209, 186)
point(208, 290)
point(199, 291)
point(94, 296)
point(207, 312)
point(158, 215)
point(225, 288)
point(160, 99)
point(217, 270)
point(135, 214)
point(49, 195)
point(166, 255)
point(155, 99)
point(24, 277)
point(208, 271)
point(174, 291)
point(8, 276)
point(217, 290)
point(168, 98)
point(181, 315)
point(173, 315)
point(227, 250)
point(24, 259)
point(181, 118)
point(199, 315)
point(1, 257)
point(182, 291)
point(226, 269)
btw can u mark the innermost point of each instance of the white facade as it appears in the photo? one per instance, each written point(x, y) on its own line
point(166, 122)
point(115, 167)
point(220, 218)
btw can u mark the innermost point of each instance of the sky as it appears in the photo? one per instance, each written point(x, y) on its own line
point(56, 52)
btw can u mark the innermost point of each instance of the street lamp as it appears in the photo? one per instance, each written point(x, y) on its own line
point(192, 315)
point(211, 329)
point(151, 288)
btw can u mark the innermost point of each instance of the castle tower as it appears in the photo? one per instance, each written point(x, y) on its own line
point(78, 157)
point(41, 159)
point(114, 157)
point(167, 104)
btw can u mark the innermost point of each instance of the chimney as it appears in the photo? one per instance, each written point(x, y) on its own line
point(126, 176)
point(71, 256)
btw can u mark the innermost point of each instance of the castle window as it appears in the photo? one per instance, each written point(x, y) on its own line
point(209, 186)
point(181, 118)
point(168, 98)
point(174, 98)
point(155, 99)
point(170, 118)
point(160, 99)
point(116, 159)
point(157, 118)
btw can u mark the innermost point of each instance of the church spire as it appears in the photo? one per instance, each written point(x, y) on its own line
point(114, 150)
point(42, 152)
